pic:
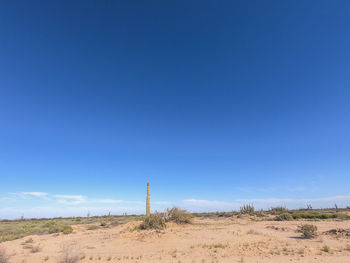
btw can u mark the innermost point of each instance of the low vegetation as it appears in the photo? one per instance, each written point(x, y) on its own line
point(67, 230)
point(14, 229)
point(278, 210)
point(284, 217)
point(158, 220)
point(247, 209)
point(154, 221)
point(307, 231)
point(179, 216)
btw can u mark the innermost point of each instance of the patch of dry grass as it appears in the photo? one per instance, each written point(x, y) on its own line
point(69, 254)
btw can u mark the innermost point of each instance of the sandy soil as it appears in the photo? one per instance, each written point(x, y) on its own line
point(207, 240)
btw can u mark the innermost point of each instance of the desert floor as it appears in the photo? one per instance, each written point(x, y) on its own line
point(206, 240)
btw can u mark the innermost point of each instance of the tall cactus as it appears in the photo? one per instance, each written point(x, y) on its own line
point(148, 202)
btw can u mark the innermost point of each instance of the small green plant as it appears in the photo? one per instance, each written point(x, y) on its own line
point(219, 245)
point(178, 216)
point(308, 231)
point(284, 217)
point(154, 221)
point(67, 230)
point(326, 249)
point(247, 209)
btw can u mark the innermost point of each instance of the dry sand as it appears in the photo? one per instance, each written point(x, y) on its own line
point(206, 240)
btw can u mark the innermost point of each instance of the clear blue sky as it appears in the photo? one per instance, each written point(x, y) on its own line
point(216, 103)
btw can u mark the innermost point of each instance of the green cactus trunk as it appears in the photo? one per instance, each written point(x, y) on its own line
point(148, 202)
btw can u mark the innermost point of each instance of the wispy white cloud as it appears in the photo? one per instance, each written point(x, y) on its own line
point(70, 199)
point(35, 194)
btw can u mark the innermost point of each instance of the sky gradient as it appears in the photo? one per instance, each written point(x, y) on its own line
point(216, 103)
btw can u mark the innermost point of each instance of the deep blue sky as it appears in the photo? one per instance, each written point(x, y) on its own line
point(208, 100)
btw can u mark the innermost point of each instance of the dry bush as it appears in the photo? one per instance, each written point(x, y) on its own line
point(35, 249)
point(69, 254)
point(178, 216)
point(3, 256)
point(308, 231)
point(154, 221)
point(29, 240)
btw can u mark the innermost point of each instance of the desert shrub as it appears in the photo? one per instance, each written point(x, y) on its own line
point(69, 255)
point(308, 231)
point(278, 210)
point(154, 221)
point(67, 230)
point(3, 256)
point(178, 216)
point(54, 228)
point(284, 217)
point(247, 209)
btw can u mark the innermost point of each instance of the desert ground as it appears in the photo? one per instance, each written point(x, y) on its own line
point(215, 239)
